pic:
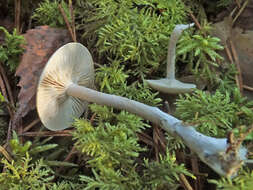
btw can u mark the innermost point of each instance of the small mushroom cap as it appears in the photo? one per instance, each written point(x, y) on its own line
point(72, 63)
point(170, 86)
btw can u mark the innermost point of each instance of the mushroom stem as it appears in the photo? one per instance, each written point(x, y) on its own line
point(171, 57)
point(211, 151)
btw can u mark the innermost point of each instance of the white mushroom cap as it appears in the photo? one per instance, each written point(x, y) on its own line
point(72, 63)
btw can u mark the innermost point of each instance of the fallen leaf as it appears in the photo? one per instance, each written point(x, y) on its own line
point(242, 39)
point(245, 20)
point(41, 43)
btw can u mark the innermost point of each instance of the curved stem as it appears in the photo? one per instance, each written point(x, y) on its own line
point(171, 56)
point(211, 151)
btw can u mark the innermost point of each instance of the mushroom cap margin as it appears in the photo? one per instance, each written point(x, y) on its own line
point(171, 86)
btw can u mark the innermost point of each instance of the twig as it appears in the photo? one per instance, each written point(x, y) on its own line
point(92, 118)
point(195, 169)
point(72, 20)
point(238, 4)
point(3, 89)
point(5, 153)
point(16, 122)
point(247, 87)
point(234, 53)
point(20, 132)
point(7, 84)
point(156, 141)
point(9, 132)
point(200, 174)
point(33, 123)
point(229, 54)
point(17, 15)
point(68, 157)
point(233, 11)
point(195, 21)
point(97, 64)
point(10, 104)
point(161, 139)
point(67, 22)
point(185, 182)
point(49, 133)
point(73, 151)
point(10, 107)
point(145, 138)
point(237, 77)
point(240, 11)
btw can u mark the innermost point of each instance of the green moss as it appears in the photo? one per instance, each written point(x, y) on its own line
point(11, 49)
point(214, 114)
point(134, 32)
point(244, 181)
point(48, 13)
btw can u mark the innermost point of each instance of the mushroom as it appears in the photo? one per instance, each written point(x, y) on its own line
point(65, 86)
point(169, 84)
point(70, 64)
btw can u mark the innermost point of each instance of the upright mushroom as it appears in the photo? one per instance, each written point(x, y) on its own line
point(169, 84)
point(64, 88)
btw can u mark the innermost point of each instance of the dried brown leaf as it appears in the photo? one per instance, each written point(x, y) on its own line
point(41, 43)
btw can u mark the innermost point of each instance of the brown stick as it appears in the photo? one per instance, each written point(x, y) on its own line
point(17, 15)
point(185, 182)
point(234, 53)
point(66, 21)
point(3, 89)
point(229, 54)
point(20, 132)
point(195, 169)
point(9, 133)
point(247, 87)
point(230, 57)
point(5, 153)
point(240, 11)
point(145, 138)
point(92, 118)
point(195, 21)
point(7, 84)
point(49, 133)
point(156, 139)
point(72, 20)
point(33, 123)
point(238, 4)
point(68, 157)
